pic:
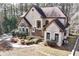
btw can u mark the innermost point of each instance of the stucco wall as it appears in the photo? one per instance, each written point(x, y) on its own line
point(53, 28)
point(32, 16)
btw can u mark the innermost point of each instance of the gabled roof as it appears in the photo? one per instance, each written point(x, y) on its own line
point(59, 24)
point(48, 24)
point(27, 21)
point(40, 11)
point(53, 12)
point(47, 11)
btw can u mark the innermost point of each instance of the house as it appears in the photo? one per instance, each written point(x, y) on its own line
point(47, 22)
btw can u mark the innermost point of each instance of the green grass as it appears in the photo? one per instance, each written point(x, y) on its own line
point(53, 51)
point(72, 39)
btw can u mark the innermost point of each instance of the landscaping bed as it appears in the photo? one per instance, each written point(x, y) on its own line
point(28, 40)
point(31, 40)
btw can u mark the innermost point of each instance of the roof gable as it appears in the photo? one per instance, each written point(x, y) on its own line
point(47, 11)
point(39, 10)
point(59, 24)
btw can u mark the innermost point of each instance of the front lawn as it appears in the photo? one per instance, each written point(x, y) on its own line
point(72, 39)
point(53, 51)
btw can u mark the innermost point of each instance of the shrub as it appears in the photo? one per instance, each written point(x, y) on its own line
point(29, 37)
point(19, 34)
point(15, 40)
point(36, 41)
point(31, 40)
point(13, 33)
point(23, 42)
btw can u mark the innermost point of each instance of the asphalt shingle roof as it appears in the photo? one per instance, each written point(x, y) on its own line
point(49, 11)
point(40, 11)
point(60, 24)
point(53, 12)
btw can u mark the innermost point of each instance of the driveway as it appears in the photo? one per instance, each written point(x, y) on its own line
point(34, 50)
point(27, 51)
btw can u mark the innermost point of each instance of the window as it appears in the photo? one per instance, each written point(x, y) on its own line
point(23, 29)
point(56, 37)
point(46, 22)
point(26, 31)
point(38, 24)
point(65, 33)
point(33, 30)
point(48, 36)
point(19, 29)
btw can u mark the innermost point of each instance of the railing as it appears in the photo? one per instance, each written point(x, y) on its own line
point(75, 47)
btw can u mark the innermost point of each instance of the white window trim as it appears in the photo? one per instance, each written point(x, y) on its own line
point(33, 29)
point(27, 28)
point(58, 35)
point(46, 35)
point(24, 28)
point(36, 24)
